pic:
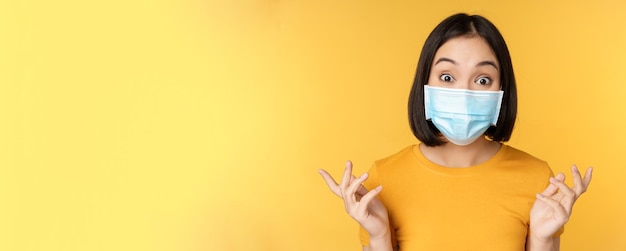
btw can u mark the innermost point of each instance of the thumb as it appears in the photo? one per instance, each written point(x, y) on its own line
point(552, 189)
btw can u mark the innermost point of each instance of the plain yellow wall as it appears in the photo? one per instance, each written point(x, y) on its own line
point(200, 125)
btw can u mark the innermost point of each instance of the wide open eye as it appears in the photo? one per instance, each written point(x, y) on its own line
point(446, 78)
point(483, 81)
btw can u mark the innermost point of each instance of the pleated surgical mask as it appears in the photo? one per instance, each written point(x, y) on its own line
point(462, 115)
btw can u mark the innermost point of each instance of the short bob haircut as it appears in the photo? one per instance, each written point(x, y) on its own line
point(455, 26)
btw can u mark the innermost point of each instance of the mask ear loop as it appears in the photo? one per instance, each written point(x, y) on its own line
point(498, 108)
point(499, 104)
point(426, 102)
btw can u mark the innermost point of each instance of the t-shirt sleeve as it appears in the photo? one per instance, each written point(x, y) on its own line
point(372, 182)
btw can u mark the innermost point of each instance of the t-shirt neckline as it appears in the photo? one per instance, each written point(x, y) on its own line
point(480, 167)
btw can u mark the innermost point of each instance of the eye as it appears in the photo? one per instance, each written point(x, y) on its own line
point(483, 81)
point(446, 78)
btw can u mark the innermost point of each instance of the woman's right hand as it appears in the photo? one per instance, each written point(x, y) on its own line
point(361, 204)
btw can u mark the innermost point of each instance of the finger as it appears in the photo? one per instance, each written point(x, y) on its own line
point(578, 188)
point(347, 173)
point(349, 196)
point(351, 190)
point(587, 178)
point(552, 189)
point(367, 198)
point(361, 190)
point(564, 188)
point(330, 182)
point(570, 195)
point(560, 213)
point(560, 176)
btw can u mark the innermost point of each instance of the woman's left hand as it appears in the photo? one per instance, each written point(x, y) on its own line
point(553, 206)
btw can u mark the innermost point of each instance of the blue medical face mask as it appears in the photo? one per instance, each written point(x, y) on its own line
point(462, 115)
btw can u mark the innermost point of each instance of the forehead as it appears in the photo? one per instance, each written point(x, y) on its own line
point(466, 49)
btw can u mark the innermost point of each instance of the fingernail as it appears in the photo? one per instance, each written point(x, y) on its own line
point(553, 180)
point(539, 196)
point(363, 176)
point(347, 163)
point(379, 188)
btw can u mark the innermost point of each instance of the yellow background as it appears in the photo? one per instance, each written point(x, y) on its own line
point(200, 125)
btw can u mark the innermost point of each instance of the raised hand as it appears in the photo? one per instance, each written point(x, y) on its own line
point(553, 206)
point(361, 204)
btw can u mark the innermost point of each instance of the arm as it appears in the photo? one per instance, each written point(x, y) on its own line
point(382, 243)
point(550, 244)
point(553, 209)
point(363, 206)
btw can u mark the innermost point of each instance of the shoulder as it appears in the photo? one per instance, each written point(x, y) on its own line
point(524, 163)
point(395, 163)
point(516, 155)
point(400, 157)
point(388, 168)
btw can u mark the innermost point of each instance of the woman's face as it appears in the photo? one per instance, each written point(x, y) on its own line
point(465, 63)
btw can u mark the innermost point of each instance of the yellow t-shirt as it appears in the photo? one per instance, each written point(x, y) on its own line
point(482, 207)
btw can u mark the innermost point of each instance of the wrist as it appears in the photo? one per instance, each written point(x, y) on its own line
point(385, 235)
point(540, 243)
point(381, 241)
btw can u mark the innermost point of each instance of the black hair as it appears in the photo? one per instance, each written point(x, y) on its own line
point(454, 26)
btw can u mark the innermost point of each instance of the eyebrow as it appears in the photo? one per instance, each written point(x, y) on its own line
point(483, 63)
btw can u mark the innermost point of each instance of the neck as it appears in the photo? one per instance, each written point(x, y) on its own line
point(451, 155)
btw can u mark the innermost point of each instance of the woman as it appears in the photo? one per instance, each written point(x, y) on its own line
point(461, 188)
